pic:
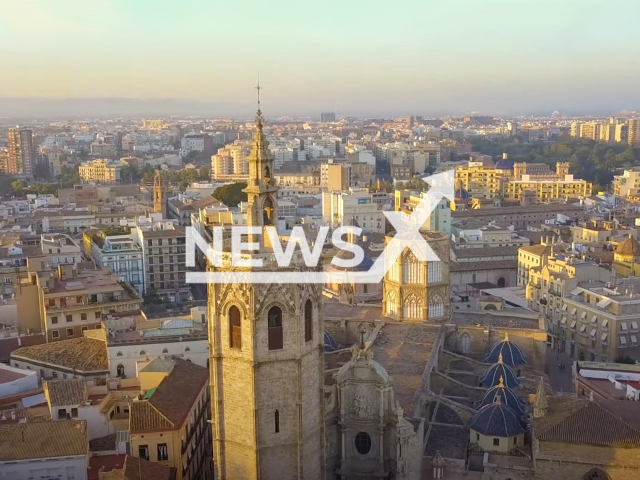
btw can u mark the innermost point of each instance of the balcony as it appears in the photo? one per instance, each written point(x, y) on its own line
point(555, 292)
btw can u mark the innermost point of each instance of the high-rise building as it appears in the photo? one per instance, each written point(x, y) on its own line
point(633, 132)
point(327, 117)
point(21, 158)
point(266, 357)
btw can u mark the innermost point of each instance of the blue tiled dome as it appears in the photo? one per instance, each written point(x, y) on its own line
point(497, 420)
point(497, 370)
point(507, 397)
point(330, 345)
point(511, 353)
point(461, 193)
point(504, 164)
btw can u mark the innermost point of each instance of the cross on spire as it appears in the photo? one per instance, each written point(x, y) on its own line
point(259, 114)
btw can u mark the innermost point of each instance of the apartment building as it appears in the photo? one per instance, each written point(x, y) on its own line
point(101, 170)
point(21, 157)
point(551, 281)
point(34, 449)
point(633, 132)
point(335, 176)
point(439, 218)
point(340, 208)
point(60, 248)
point(627, 184)
point(69, 300)
point(600, 321)
point(170, 425)
point(547, 190)
point(532, 257)
point(163, 253)
point(122, 255)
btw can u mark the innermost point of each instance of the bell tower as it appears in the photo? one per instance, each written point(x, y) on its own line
point(159, 203)
point(262, 201)
point(266, 346)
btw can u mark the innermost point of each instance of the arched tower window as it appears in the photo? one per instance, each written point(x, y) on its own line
point(436, 306)
point(412, 307)
point(235, 334)
point(434, 272)
point(274, 318)
point(465, 343)
point(120, 370)
point(411, 269)
point(276, 421)
point(308, 321)
point(267, 212)
point(267, 174)
point(392, 303)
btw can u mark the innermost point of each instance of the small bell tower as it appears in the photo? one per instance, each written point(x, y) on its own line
point(159, 202)
point(262, 199)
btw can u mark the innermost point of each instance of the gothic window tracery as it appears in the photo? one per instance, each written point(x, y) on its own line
point(434, 272)
point(235, 328)
point(411, 269)
point(308, 321)
point(436, 306)
point(412, 307)
point(392, 303)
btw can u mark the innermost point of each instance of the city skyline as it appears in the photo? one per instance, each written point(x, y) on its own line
point(418, 58)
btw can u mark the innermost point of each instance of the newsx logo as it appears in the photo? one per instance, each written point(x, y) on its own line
point(407, 236)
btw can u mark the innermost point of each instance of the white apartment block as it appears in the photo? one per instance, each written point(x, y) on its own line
point(340, 208)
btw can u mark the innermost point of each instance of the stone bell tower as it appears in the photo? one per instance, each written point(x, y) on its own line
point(266, 355)
point(159, 202)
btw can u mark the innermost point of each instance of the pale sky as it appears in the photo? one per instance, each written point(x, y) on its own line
point(351, 56)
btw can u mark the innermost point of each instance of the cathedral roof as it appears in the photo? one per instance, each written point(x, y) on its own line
point(507, 397)
point(576, 420)
point(461, 193)
point(630, 247)
point(363, 266)
point(497, 371)
point(497, 420)
point(511, 353)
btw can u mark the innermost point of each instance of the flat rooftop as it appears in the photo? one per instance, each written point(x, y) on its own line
point(7, 376)
point(404, 349)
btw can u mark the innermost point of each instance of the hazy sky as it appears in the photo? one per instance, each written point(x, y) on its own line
point(352, 56)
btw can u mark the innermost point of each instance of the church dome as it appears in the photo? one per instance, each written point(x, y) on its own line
point(497, 420)
point(630, 248)
point(498, 370)
point(511, 353)
point(504, 163)
point(363, 266)
point(506, 395)
point(461, 193)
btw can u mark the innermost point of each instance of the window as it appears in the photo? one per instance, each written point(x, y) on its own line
point(98, 315)
point(187, 350)
point(496, 442)
point(465, 343)
point(142, 352)
point(69, 332)
point(363, 443)
point(235, 328)
point(623, 326)
point(78, 299)
point(119, 354)
point(83, 316)
point(275, 328)
point(52, 302)
point(62, 413)
point(163, 452)
point(69, 318)
point(82, 329)
point(55, 334)
point(143, 452)
point(308, 321)
point(164, 350)
point(120, 370)
point(54, 320)
point(74, 413)
point(276, 421)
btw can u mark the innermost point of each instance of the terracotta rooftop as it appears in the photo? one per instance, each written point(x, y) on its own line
point(80, 354)
point(161, 411)
point(63, 438)
point(630, 247)
point(596, 423)
point(102, 444)
point(139, 469)
point(71, 391)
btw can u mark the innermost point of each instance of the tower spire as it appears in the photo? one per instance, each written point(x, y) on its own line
point(540, 405)
point(259, 114)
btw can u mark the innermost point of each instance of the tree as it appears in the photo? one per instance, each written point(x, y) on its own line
point(232, 194)
point(18, 187)
point(153, 298)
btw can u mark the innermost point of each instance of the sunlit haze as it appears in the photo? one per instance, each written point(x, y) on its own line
point(354, 57)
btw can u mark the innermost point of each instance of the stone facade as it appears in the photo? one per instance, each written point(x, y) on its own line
point(418, 291)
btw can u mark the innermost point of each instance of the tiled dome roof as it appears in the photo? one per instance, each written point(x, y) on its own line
point(511, 353)
point(497, 370)
point(507, 397)
point(630, 247)
point(497, 420)
point(504, 164)
point(461, 193)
